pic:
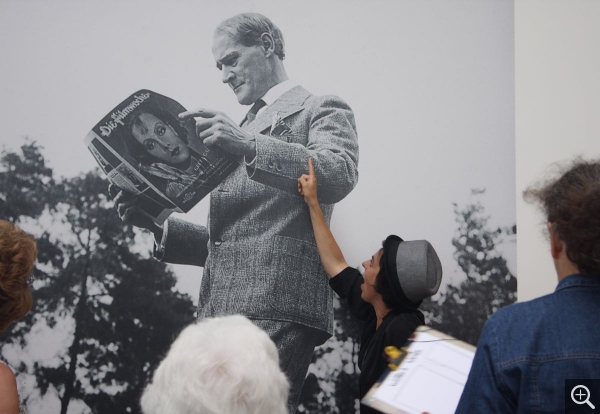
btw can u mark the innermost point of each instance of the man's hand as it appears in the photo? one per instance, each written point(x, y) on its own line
point(126, 205)
point(307, 185)
point(217, 129)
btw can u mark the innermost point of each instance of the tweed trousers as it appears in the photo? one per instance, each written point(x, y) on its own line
point(296, 344)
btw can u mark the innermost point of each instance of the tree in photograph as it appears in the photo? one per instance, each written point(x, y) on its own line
point(24, 181)
point(122, 306)
point(332, 382)
point(461, 311)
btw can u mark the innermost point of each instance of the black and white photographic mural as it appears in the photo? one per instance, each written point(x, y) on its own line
point(410, 111)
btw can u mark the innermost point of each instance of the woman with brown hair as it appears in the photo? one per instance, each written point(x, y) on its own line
point(527, 351)
point(18, 252)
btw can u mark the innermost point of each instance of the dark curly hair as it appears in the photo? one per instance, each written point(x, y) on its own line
point(18, 252)
point(248, 28)
point(571, 203)
point(136, 149)
point(385, 289)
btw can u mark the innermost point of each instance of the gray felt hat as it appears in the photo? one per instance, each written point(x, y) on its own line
point(414, 269)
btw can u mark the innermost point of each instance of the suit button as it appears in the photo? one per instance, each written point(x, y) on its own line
point(218, 243)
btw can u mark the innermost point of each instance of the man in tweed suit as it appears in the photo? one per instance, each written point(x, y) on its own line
point(258, 249)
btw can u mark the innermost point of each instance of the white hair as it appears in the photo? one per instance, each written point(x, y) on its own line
point(224, 365)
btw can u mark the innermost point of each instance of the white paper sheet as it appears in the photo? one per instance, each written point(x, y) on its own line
point(430, 378)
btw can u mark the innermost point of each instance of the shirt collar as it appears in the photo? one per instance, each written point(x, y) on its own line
point(578, 280)
point(276, 91)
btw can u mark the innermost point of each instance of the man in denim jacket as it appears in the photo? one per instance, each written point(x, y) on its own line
point(527, 350)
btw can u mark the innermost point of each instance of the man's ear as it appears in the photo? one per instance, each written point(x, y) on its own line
point(556, 244)
point(267, 44)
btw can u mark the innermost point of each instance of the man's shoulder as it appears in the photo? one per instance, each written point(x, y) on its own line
point(534, 308)
point(310, 99)
point(519, 324)
point(325, 100)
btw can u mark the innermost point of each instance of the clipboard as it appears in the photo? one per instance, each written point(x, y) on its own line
point(428, 374)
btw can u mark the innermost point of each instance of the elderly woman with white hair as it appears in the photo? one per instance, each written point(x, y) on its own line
point(223, 365)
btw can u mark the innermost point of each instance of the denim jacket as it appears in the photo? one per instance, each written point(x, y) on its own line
point(527, 350)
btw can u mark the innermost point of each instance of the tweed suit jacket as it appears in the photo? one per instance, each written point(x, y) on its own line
point(258, 248)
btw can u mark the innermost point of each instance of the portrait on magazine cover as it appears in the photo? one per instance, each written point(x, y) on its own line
point(159, 144)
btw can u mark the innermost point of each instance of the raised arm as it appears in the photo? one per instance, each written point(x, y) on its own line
point(331, 255)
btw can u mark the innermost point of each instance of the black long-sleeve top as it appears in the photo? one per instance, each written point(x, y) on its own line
point(395, 329)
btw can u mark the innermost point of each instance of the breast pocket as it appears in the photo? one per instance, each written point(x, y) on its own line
point(300, 286)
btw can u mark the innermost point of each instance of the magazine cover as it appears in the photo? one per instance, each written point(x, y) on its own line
point(144, 148)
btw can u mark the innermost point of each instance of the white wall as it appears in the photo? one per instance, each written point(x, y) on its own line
point(557, 63)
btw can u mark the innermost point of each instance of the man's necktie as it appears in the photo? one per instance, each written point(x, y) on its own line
point(254, 110)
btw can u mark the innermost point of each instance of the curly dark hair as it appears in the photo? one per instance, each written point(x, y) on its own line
point(385, 289)
point(571, 203)
point(137, 150)
point(18, 252)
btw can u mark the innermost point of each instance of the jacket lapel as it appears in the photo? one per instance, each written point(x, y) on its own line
point(288, 104)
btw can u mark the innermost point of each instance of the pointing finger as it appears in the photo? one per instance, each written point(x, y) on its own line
point(311, 170)
point(202, 112)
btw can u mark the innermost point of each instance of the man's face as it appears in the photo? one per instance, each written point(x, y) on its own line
point(160, 140)
point(245, 68)
point(372, 268)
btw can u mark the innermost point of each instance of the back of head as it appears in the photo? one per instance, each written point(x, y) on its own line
point(571, 203)
point(223, 365)
point(18, 252)
point(247, 29)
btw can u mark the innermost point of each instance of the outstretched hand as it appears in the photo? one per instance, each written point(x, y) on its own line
point(217, 129)
point(307, 185)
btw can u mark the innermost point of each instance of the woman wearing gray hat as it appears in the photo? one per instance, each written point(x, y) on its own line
point(387, 296)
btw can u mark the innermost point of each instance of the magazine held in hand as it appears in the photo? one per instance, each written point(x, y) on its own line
point(145, 149)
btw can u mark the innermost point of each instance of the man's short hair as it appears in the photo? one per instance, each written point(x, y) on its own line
point(247, 29)
point(223, 365)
